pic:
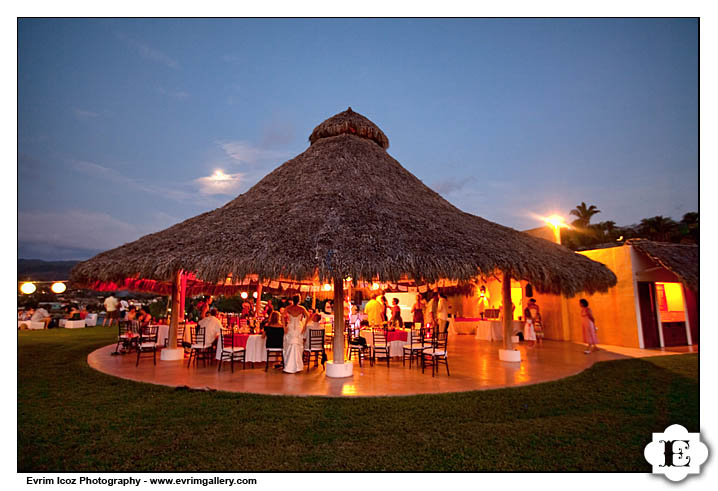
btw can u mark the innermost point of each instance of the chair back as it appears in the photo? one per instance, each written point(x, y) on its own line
point(135, 326)
point(316, 339)
point(441, 340)
point(198, 335)
point(148, 334)
point(380, 338)
point(417, 336)
point(227, 338)
point(180, 332)
point(123, 328)
point(275, 337)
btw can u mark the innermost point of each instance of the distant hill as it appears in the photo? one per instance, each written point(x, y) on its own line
point(39, 270)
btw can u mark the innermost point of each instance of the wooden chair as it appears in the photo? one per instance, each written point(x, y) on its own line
point(231, 352)
point(274, 345)
point(198, 350)
point(381, 345)
point(328, 334)
point(126, 335)
point(417, 343)
point(146, 342)
point(316, 347)
point(359, 350)
point(436, 353)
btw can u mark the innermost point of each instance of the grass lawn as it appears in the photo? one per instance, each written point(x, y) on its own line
point(72, 418)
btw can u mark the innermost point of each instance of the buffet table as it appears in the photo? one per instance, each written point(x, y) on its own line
point(493, 330)
point(463, 325)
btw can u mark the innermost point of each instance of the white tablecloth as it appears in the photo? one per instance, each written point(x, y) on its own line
point(396, 348)
point(91, 320)
point(494, 330)
point(74, 324)
point(462, 326)
point(255, 350)
point(163, 332)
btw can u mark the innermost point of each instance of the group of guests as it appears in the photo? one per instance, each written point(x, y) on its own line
point(435, 311)
point(35, 314)
point(283, 329)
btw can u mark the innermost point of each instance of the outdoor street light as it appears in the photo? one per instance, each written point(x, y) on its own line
point(58, 287)
point(243, 295)
point(557, 223)
point(28, 288)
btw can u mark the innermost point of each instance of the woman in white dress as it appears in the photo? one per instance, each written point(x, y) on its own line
point(296, 320)
point(529, 333)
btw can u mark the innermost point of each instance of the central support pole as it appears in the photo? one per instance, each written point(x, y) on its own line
point(508, 312)
point(258, 303)
point(508, 353)
point(337, 367)
point(338, 351)
point(172, 352)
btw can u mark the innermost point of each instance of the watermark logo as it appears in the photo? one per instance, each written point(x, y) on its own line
point(676, 453)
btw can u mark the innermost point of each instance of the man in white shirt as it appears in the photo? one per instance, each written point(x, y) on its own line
point(111, 306)
point(212, 327)
point(41, 315)
point(123, 308)
point(443, 313)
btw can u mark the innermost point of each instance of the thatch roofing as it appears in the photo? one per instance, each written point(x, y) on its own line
point(679, 259)
point(345, 207)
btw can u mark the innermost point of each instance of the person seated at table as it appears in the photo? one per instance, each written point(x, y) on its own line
point(41, 315)
point(355, 336)
point(313, 322)
point(131, 314)
point(25, 314)
point(212, 327)
point(395, 313)
point(71, 313)
point(329, 308)
point(267, 313)
point(144, 317)
point(274, 333)
point(355, 319)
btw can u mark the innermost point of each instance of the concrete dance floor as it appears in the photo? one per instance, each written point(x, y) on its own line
point(474, 365)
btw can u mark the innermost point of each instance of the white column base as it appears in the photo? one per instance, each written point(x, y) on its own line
point(512, 355)
point(339, 370)
point(172, 354)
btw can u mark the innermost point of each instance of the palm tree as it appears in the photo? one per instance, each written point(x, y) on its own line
point(689, 227)
point(584, 214)
point(658, 228)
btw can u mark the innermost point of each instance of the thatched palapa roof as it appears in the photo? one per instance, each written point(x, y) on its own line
point(345, 207)
point(679, 259)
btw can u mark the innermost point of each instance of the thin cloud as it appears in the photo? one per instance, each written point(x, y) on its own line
point(75, 228)
point(451, 185)
point(247, 153)
point(84, 230)
point(150, 53)
point(175, 94)
point(111, 175)
point(83, 114)
point(220, 183)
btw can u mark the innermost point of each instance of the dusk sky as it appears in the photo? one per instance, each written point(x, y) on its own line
point(122, 123)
